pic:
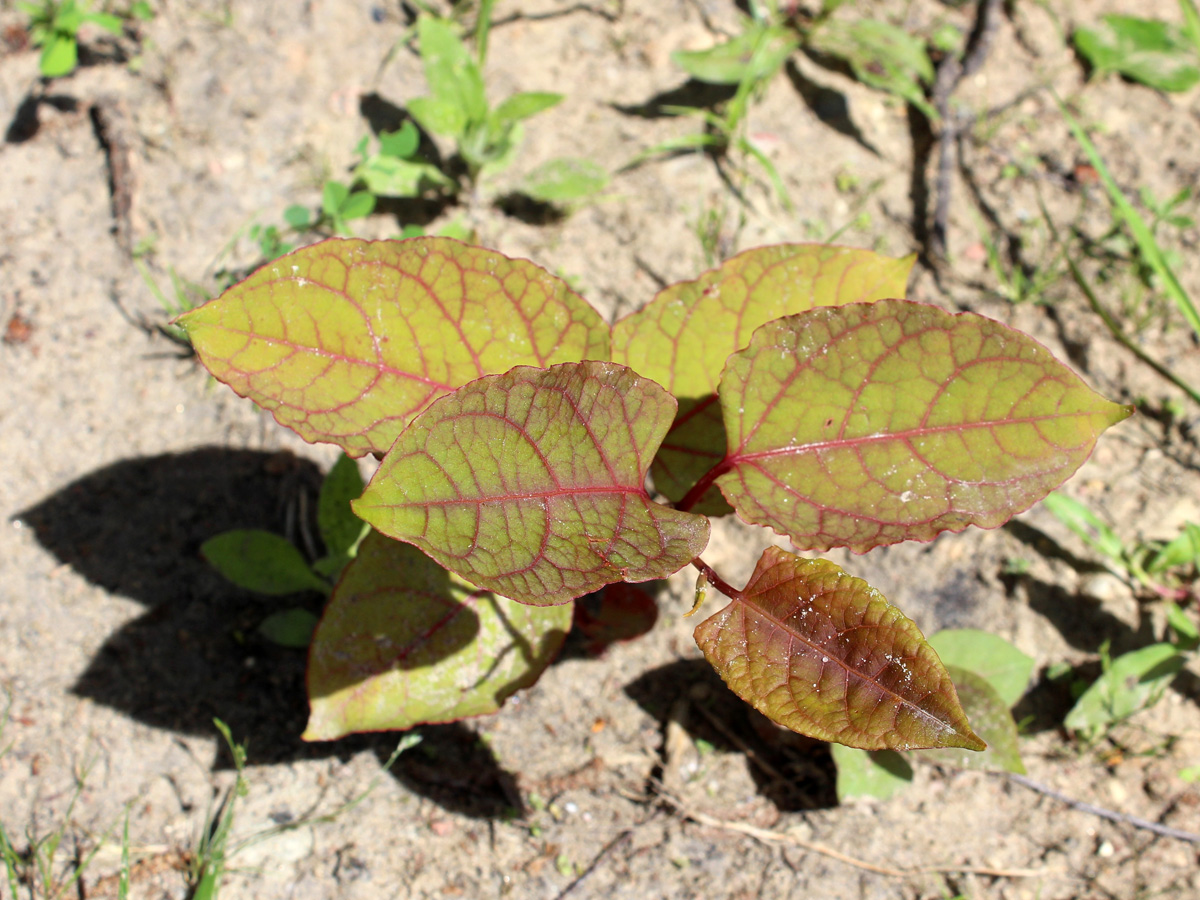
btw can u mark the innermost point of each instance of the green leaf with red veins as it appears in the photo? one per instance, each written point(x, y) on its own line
point(824, 654)
point(682, 338)
point(346, 341)
point(532, 483)
point(403, 642)
point(875, 423)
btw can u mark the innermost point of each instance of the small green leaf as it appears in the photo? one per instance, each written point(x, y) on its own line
point(868, 424)
point(389, 176)
point(992, 721)
point(1187, 634)
point(358, 205)
point(297, 217)
point(401, 143)
point(453, 76)
point(1154, 53)
point(261, 561)
point(824, 654)
point(564, 180)
point(60, 54)
point(882, 56)
point(989, 656)
point(289, 628)
point(525, 105)
point(404, 642)
point(869, 773)
point(531, 483)
point(333, 196)
point(1183, 550)
point(1133, 681)
point(757, 53)
point(1090, 528)
point(340, 528)
point(438, 116)
point(346, 340)
point(110, 23)
point(142, 10)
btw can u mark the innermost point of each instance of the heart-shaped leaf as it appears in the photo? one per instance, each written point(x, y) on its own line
point(346, 340)
point(404, 642)
point(683, 337)
point(532, 483)
point(875, 423)
point(824, 654)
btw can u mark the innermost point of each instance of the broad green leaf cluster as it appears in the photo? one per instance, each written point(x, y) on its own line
point(517, 432)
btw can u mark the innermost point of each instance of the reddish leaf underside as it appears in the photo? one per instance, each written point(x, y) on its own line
point(531, 483)
point(824, 654)
point(682, 338)
point(404, 642)
point(346, 340)
point(875, 423)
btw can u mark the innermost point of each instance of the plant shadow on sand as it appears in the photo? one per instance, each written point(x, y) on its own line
point(134, 528)
point(792, 771)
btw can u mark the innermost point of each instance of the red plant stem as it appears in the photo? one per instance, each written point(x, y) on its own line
point(692, 497)
point(716, 580)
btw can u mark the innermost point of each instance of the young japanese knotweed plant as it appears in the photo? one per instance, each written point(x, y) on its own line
point(516, 431)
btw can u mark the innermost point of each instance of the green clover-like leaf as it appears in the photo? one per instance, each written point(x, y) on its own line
point(824, 654)
point(531, 483)
point(683, 337)
point(403, 642)
point(346, 340)
point(875, 423)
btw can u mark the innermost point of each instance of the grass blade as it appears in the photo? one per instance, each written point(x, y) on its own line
point(1142, 235)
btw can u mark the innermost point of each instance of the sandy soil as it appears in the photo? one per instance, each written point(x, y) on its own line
point(118, 646)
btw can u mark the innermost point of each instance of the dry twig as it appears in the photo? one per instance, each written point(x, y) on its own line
point(1102, 812)
point(950, 74)
point(768, 836)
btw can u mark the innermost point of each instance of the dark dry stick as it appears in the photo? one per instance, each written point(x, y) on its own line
point(1111, 815)
point(950, 74)
point(608, 15)
point(118, 136)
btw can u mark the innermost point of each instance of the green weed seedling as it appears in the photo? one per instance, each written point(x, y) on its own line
point(54, 26)
point(1135, 680)
point(881, 55)
point(41, 866)
point(487, 137)
point(1143, 235)
point(270, 564)
point(1153, 53)
point(1167, 568)
point(215, 846)
point(517, 429)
